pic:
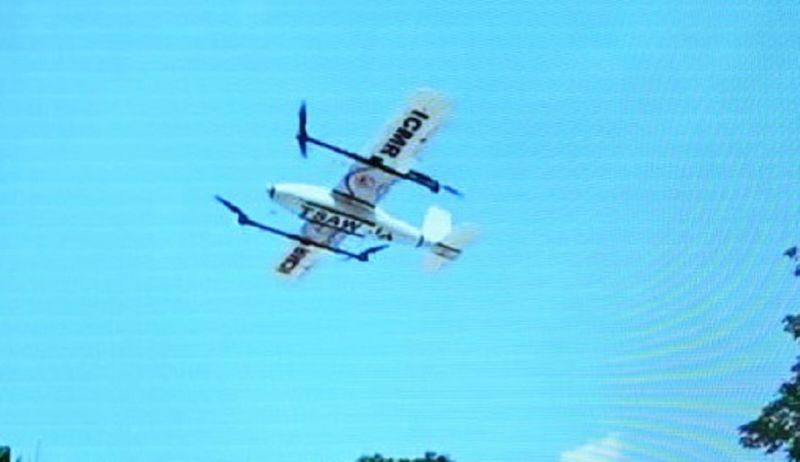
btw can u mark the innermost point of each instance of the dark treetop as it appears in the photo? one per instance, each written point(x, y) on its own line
point(778, 426)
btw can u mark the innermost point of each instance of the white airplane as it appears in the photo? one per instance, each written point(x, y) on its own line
point(350, 209)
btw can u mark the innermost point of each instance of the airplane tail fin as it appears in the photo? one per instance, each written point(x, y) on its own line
point(449, 247)
point(437, 224)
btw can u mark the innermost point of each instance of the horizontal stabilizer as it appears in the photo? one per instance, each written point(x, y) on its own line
point(449, 248)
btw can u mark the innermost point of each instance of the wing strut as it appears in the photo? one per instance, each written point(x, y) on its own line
point(244, 220)
point(303, 139)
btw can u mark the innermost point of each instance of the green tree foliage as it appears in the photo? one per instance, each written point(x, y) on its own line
point(778, 426)
point(429, 457)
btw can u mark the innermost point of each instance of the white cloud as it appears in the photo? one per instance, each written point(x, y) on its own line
point(608, 449)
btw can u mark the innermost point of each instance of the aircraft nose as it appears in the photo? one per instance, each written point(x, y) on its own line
point(271, 191)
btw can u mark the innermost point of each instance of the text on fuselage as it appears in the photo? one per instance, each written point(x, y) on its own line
point(348, 224)
point(318, 216)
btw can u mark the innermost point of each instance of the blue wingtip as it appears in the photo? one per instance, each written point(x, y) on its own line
point(302, 134)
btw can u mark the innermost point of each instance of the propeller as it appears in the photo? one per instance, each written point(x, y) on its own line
point(244, 220)
point(452, 190)
point(302, 134)
point(303, 139)
point(242, 217)
point(364, 256)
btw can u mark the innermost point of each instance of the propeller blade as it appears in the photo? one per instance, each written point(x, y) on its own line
point(244, 220)
point(452, 190)
point(302, 134)
point(241, 216)
point(364, 256)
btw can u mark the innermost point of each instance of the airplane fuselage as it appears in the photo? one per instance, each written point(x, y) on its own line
point(331, 209)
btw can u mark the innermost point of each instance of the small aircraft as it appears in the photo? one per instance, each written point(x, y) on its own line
point(350, 209)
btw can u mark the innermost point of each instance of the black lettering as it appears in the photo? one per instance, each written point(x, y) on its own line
point(400, 136)
point(320, 216)
point(382, 234)
point(390, 150)
point(395, 144)
point(397, 140)
point(350, 226)
point(412, 123)
point(306, 210)
point(294, 258)
point(420, 114)
point(333, 221)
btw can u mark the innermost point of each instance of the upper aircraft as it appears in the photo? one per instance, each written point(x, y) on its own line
point(350, 209)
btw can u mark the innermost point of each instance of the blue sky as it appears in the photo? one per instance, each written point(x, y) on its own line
point(633, 168)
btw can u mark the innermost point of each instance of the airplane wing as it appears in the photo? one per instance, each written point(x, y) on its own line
point(302, 257)
point(397, 146)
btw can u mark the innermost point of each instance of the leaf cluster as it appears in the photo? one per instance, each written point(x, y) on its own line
point(428, 457)
point(778, 426)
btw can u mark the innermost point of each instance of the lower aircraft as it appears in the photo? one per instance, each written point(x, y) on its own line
point(350, 209)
